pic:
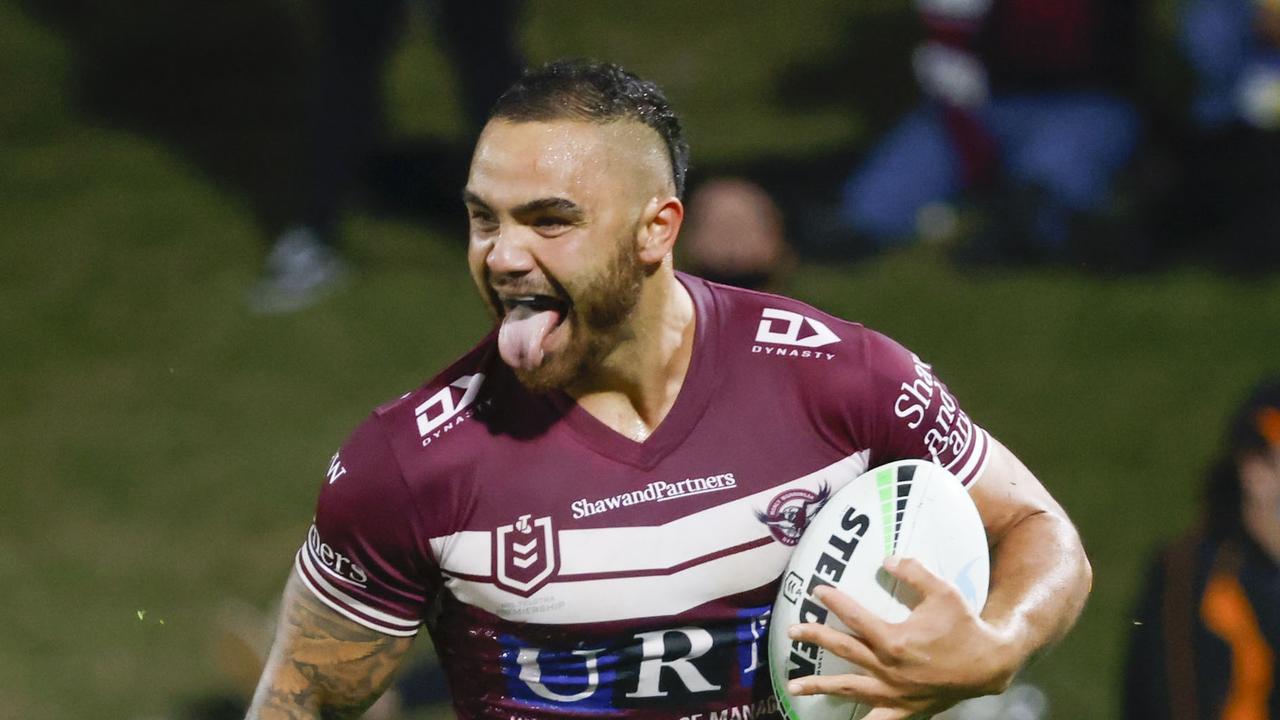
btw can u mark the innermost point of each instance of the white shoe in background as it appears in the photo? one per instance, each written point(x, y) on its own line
point(300, 270)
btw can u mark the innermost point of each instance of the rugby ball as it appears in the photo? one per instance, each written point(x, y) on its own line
point(911, 508)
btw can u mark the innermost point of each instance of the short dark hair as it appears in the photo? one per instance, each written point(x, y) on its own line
point(595, 92)
point(1254, 428)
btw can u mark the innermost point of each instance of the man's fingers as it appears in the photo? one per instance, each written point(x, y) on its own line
point(916, 575)
point(863, 688)
point(857, 618)
point(843, 644)
point(888, 714)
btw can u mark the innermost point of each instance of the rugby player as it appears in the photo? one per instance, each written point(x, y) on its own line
point(590, 511)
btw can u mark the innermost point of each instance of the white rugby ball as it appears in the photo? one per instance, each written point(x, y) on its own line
point(910, 508)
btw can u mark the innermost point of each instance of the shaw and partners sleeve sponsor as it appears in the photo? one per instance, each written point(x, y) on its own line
point(951, 439)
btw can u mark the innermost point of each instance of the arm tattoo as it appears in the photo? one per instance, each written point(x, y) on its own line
point(323, 665)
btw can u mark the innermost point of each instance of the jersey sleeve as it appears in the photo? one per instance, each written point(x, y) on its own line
point(362, 556)
point(906, 412)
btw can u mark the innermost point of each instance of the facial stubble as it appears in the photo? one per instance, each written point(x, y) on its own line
point(602, 304)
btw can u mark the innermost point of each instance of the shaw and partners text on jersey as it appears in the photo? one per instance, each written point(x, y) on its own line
point(659, 491)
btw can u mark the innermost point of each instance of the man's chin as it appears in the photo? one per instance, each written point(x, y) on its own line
point(573, 359)
point(545, 378)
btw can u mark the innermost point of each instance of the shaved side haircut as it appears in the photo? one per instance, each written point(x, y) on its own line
point(600, 93)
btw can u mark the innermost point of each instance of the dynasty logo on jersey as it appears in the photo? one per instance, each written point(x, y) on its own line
point(790, 329)
point(783, 333)
point(439, 409)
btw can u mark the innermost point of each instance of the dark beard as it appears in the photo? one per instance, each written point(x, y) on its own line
point(601, 305)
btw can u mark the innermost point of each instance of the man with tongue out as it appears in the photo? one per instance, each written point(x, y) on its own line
point(615, 383)
point(572, 227)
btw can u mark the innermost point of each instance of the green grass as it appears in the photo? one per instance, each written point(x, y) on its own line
point(161, 447)
point(1114, 392)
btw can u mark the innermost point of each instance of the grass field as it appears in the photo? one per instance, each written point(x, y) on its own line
point(161, 447)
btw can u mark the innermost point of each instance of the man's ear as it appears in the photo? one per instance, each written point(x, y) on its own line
point(659, 226)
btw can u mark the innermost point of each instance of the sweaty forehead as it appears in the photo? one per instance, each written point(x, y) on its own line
point(518, 161)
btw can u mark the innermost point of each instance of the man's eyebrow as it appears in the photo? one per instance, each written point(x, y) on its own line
point(471, 198)
point(560, 204)
point(564, 205)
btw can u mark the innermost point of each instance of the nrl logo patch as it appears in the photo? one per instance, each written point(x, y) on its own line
point(525, 555)
point(790, 510)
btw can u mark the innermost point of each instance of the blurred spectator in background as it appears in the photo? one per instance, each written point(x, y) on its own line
point(1027, 111)
point(734, 234)
point(1025, 107)
point(1232, 193)
point(1205, 639)
point(1234, 47)
point(345, 114)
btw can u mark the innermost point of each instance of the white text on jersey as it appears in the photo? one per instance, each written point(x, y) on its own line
point(659, 491)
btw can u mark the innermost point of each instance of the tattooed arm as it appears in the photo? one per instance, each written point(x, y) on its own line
point(323, 665)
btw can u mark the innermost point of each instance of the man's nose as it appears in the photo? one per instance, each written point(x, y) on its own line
point(510, 253)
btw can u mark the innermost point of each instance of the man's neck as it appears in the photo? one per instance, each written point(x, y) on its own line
point(636, 385)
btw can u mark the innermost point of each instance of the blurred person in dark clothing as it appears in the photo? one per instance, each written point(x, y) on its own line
point(1204, 642)
point(1233, 190)
point(1234, 47)
point(345, 115)
point(1026, 106)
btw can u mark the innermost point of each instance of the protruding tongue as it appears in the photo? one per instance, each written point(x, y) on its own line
point(522, 333)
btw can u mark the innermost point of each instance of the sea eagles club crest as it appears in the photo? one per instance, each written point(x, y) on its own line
point(789, 512)
point(525, 555)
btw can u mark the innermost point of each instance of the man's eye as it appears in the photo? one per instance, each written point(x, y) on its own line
point(550, 222)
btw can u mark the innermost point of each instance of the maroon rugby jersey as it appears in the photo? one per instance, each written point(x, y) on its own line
point(564, 569)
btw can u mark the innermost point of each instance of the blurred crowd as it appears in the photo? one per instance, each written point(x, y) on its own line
point(1036, 139)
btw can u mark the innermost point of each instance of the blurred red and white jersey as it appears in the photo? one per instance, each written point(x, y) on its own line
point(564, 569)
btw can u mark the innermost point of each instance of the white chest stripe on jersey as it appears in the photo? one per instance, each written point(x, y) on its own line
point(637, 596)
point(631, 572)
